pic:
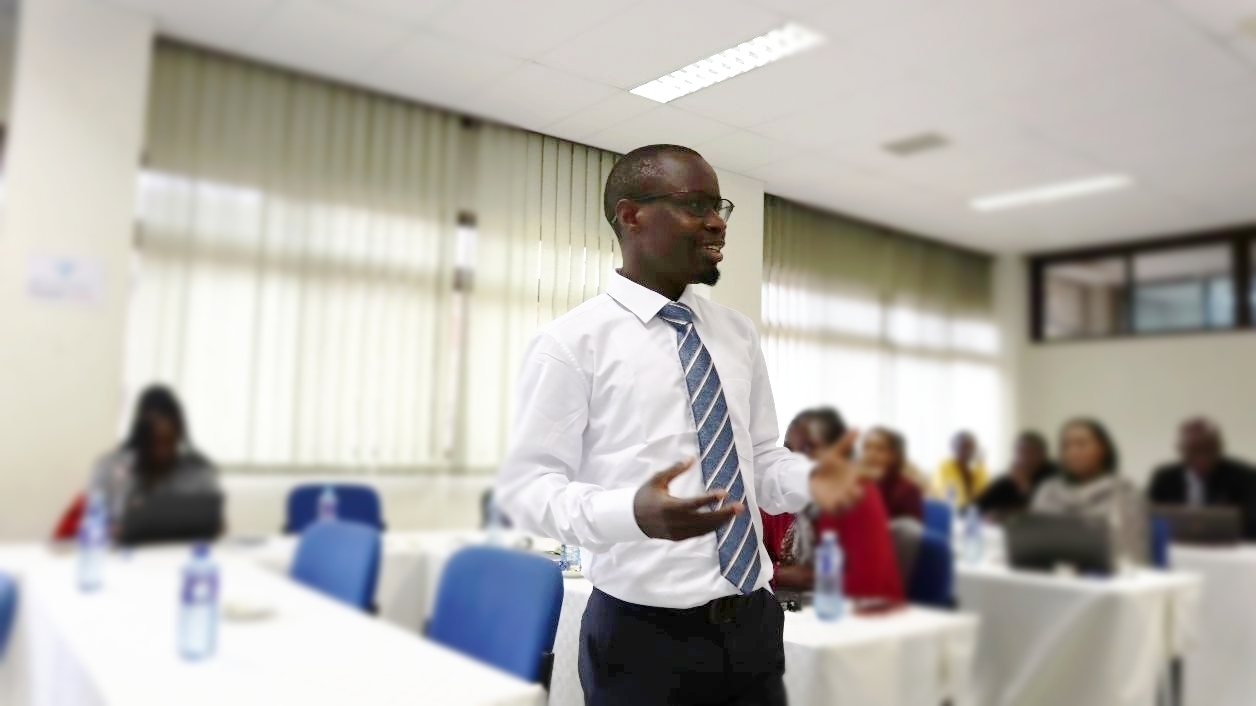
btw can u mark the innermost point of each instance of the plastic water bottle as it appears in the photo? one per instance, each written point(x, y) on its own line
point(571, 558)
point(830, 602)
point(198, 606)
point(974, 541)
point(93, 540)
point(328, 505)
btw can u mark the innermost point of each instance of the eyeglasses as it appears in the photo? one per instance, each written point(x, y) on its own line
point(695, 203)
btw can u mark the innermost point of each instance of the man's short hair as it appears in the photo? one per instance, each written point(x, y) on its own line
point(632, 171)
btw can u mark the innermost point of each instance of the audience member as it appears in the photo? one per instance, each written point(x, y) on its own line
point(1091, 487)
point(1204, 475)
point(1012, 493)
point(962, 477)
point(155, 461)
point(885, 454)
point(871, 570)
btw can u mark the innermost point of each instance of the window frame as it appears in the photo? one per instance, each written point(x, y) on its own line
point(1241, 241)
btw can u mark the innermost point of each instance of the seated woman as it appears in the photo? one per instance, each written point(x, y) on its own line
point(1090, 487)
point(871, 570)
point(961, 478)
point(155, 461)
point(885, 455)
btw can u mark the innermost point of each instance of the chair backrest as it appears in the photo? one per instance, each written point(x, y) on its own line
point(1159, 542)
point(905, 532)
point(938, 516)
point(354, 503)
point(933, 578)
point(501, 607)
point(340, 559)
point(8, 607)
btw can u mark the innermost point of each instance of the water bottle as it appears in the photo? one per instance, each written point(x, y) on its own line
point(328, 504)
point(571, 558)
point(974, 540)
point(830, 602)
point(93, 540)
point(198, 609)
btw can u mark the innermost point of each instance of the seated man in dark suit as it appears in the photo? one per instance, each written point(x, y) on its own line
point(1205, 476)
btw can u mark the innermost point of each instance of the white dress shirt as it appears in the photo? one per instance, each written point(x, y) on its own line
point(603, 406)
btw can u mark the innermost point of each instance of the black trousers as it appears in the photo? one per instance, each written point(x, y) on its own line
point(633, 655)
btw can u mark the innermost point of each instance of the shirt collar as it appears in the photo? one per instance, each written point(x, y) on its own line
point(646, 303)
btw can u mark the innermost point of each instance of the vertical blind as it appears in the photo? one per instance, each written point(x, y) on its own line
point(892, 330)
point(338, 281)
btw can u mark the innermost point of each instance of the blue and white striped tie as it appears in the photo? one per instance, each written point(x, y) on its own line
point(738, 543)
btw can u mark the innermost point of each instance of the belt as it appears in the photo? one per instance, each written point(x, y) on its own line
point(720, 611)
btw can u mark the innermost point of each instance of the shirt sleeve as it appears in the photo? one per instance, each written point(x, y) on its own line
point(536, 485)
point(781, 477)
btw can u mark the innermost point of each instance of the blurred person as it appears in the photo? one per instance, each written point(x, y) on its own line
point(1204, 475)
point(1013, 493)
point(1089, 486)
point(649, 390)
point(885, 455)
point(155, 461)
point(870, 568)
point(961, 477)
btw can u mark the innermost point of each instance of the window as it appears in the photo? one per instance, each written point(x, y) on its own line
point(890, 329)
point(1157, 287)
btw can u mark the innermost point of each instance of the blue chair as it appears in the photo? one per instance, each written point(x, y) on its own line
point(1159, 543)
point(932, 580)
point(501, 607)
point(354, 503)
point(340, 559)
point(938, 517)
point(8, 607)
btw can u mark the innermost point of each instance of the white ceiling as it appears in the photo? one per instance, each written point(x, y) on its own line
point(1027, 91)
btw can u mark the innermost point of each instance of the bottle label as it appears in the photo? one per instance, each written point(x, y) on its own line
point(199, 590)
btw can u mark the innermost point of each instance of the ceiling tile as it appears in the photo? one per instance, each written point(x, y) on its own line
point(657, 37)
point(663, 124)
point(617, 108)
point(523, 29)
point(321, 38)
point(742, 151)
point(436, 69)
point(222, 23)
point(410, 12)
point(534, 95)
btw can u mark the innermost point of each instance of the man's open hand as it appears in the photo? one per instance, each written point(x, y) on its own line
point(835, 478)
point(663, 516)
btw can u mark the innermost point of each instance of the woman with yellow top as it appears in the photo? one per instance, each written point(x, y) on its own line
point(962, 478)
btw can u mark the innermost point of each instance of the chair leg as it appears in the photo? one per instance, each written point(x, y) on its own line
point(546, 671)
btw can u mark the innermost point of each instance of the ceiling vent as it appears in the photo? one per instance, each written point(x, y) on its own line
point(924, 142)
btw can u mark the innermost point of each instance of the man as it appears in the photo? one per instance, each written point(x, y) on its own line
point(1014, 491)
point(1205, 476)
point(646, 434)
point(962, 478)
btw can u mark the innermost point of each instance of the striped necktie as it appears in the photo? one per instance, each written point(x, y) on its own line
point(737, 542)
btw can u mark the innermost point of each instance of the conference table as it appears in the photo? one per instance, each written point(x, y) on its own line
point(1220, 670)
point(913, 657)
point(292, 645)
point(1047, 639)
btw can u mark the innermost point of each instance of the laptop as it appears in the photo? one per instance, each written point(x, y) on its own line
point(1201, 525)
point(1041, 542)
point(173, 518)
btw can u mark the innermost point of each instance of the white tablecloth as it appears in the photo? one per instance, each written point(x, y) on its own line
point(1221, 666)
point(1054, 640)
point(914, 658)
point(118, 646)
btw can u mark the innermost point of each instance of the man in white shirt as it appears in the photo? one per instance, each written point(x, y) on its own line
point(646, 434)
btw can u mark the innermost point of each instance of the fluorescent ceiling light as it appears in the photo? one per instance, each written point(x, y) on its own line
point(747, 56)
point(1052, 192)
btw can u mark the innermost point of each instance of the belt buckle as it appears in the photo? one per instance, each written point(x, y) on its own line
point(722, 610)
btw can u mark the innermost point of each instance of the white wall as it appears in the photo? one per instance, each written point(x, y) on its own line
point(77, 119)
point(741, 278)
point(1141, 388)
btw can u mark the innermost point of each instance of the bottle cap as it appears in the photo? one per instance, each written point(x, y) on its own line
point(200, 550)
